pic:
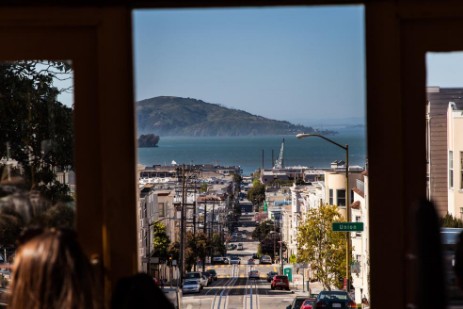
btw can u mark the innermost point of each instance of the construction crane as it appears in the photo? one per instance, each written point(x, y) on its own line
point(280, 163)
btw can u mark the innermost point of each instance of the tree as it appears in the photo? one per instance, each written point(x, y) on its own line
point(36, 129)
point(217, 244)
point(256, 193)
point(161, 241)
point(196, 248)
point(450, 221)
point(322, 248)
point(262, 230)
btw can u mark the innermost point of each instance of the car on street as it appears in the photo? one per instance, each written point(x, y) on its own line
point(231, 246)
point(270, 275)
point(213, 274)
point(235, 260)
point(309, 303)
point(265, 259)
point(208, 276)
point(240, 246)
point(196, 275)
point(191, 286)
point(218, 260)
point(297, 302)
point(280, 282)
point(254, 274)
point(251, 262)
point(334, 299)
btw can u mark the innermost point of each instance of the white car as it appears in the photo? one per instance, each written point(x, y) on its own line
point(196, 275)
point(191, 286)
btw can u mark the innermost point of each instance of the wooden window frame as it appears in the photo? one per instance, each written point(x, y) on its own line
point(98, 40)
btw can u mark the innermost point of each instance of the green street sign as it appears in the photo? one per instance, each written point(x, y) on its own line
point(347, 226)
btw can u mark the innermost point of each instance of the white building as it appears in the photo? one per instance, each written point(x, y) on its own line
point(455, 160)
point(360, 241)
point(303, 198)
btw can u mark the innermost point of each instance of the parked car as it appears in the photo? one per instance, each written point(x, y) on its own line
point(309, 303)
point(218, 260)
point(265, 259)
point(213, 274)
point(208, 276)
point(191, 286)
point(254, 274)
point(270, 275)
point(235, 260)
point(334, 299)
point(280, 282)
point(297, 302)
point(196, 275)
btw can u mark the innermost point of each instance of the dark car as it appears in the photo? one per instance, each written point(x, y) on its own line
point(280, 282)
point(297, 302)
point(334, 299)
point(213, 274)
point(270, 275)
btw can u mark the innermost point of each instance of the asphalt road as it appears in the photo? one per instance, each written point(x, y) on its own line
point(235, 290)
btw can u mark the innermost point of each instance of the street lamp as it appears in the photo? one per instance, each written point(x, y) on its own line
point(348, 244)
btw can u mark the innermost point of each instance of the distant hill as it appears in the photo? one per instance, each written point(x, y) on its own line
point(175, 116)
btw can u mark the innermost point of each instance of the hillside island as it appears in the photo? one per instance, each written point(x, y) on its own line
point(176, 116)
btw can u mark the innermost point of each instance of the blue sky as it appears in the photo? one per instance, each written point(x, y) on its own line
point(300, 64)
point(444, 69)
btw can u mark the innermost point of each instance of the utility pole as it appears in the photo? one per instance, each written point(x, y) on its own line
point(182, 225)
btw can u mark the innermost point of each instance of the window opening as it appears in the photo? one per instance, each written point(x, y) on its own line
point(221, 170)
point(37, 180)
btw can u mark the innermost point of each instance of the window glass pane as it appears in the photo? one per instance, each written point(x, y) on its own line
point(444, 131)
point(37, 185)
point(220, 97)
point(341, 194)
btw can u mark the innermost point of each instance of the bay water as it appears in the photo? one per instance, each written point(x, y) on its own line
point(248, 151)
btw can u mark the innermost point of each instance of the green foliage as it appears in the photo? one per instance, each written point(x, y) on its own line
point(36, 129)
point(203, 187)
point(262, 230)
point(237, 179)
point(322, 248)
point(293, 259)
point(269, 245)
point(450, 221)
point(256, 193)
point(161, 241)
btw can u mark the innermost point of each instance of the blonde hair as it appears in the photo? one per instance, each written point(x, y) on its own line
point(51, 271)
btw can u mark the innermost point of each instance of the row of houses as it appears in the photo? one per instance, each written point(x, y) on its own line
point(289, 206)
point(205, 193)
point(444, 161)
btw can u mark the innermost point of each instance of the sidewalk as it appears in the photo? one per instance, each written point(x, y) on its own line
point(300, 287)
